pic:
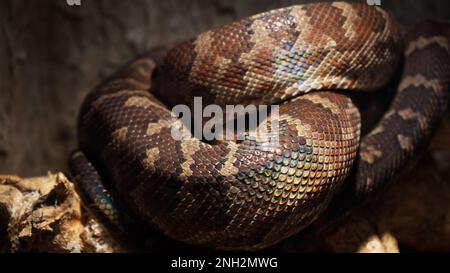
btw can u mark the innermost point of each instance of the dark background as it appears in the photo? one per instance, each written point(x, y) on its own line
point(52, 54)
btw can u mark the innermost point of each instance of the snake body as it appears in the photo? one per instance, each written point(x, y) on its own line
point(252, 194)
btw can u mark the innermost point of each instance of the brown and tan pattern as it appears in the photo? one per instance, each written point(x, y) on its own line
point(417, 107)
point(254, 193)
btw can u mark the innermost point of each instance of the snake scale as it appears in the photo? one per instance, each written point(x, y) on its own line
point(251, 194)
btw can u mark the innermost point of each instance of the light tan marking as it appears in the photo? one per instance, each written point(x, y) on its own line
point(120, 134)
point(352, 110)
point(144, 102)
point(419, 80)
point(303, 130)
point(408, 113)
point(202, 46)
point(100, 100)
point(387, 18)
point(143, 72)
point(228, 167)
point(325, 102)
point(377, 130)
point(140, 62)
point(422, 42)
point(369, 183)
point(155, 127)
point(301, 19)
point(315, 80)
point(262, 43)
point(189, 148)
point(221, 63)
point(138, 66)
point(77, 154)
point(405, 142)
point(390, 113)
point(350, 18)
point(370, 154)
point(336, 77)
point(152, 157)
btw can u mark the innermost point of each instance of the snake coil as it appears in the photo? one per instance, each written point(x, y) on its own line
point(252, 194)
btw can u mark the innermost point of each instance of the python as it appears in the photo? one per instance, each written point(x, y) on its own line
point(235, 122)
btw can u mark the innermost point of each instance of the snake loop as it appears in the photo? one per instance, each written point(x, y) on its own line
point(233, 195)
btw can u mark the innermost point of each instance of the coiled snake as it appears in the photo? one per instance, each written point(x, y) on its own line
point(252, 194)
